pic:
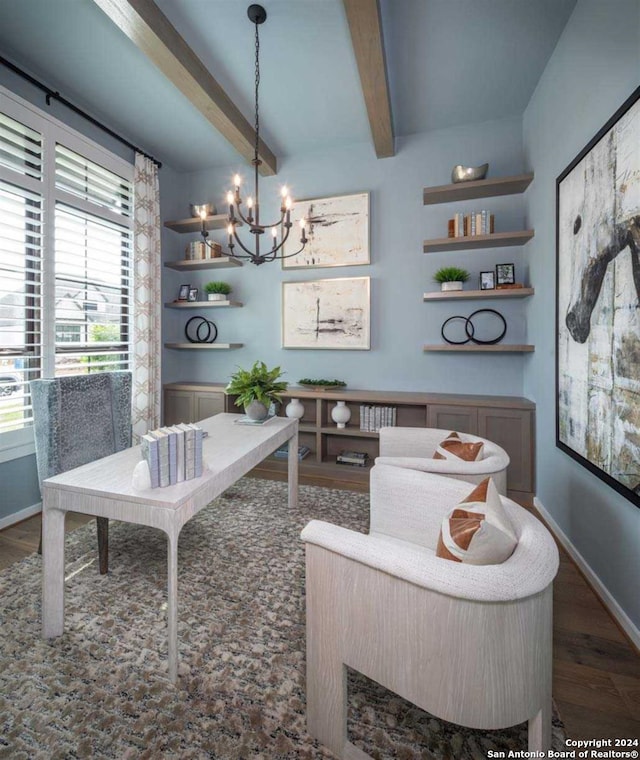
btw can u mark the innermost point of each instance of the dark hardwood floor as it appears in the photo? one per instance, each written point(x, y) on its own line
point(596, 669)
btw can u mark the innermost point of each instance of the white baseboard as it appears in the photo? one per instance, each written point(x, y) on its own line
point(17, 517)
point(623, 620)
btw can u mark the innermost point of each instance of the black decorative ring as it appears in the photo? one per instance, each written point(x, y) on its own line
point(457, 342)
point(201, 337)
point(492, 342)
point(469, 329)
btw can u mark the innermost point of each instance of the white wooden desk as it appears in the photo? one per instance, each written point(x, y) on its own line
point(103, 488)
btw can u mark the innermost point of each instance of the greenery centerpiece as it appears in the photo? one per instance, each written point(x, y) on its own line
point(451, 278)
point(217, 291)
point(256, 389)
point(322, 385)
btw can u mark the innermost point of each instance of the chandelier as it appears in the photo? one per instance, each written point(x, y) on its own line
point(279, 231)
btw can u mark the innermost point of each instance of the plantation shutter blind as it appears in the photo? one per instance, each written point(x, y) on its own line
point(20, 269)
point(93, 255)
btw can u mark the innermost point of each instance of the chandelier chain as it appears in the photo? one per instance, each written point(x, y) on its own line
point(257, 120)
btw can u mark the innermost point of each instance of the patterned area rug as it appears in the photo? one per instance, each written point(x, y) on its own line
point(100, 691)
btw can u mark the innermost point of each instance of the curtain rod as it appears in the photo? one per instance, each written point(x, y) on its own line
point(56, 96)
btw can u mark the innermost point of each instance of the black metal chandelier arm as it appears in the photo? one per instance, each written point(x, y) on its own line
point(295, 253)
point(251, 254)
point(238, 210)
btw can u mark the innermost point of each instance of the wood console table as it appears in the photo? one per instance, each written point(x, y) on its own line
point(507, 420)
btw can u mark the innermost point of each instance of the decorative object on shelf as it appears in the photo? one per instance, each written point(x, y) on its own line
point(372, 418)
point(598, 304)
point(294, 409)
point(469, 173)
point(337, 232)
point(257, 384)
point(341, 414)
point(200, 330)
point(195, 251)
point(183, 293)
point(257, 15)
point(328, 314)
point(487, 280)
point(198, 209)
point(193, 294)
point(217, 291)
point(475, 224)
point(322, 385)
point(469, 329)
point(451, 278)
point(505, 274)
point(353, 458)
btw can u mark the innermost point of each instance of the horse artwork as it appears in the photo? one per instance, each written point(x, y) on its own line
point(598, 304)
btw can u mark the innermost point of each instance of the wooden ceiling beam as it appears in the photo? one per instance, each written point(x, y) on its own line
point(152, 32)
point(365, 26)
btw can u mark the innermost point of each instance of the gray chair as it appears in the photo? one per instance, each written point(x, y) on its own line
point(78, 419)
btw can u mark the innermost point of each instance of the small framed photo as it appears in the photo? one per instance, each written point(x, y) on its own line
point(193, 294)
point(505, 274)
point(487, 280)
point(183, 293)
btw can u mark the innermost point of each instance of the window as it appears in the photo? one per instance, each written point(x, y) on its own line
point(66, 218)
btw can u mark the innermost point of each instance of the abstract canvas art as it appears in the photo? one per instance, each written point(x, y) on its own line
point(337, 232)
point(598, 304)
point(326, 314)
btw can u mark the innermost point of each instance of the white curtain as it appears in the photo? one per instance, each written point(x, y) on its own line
point(146, 299)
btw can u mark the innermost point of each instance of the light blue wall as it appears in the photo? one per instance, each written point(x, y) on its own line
point(400, 273)
point(594, 68)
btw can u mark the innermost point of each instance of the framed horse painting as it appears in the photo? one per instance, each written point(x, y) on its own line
point(598, 304)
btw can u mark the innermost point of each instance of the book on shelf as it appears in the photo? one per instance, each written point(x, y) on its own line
point(172, 453)
point(372, 418)
point(356, 458)
point(163, 456)
point(179, 452)
point(197, 450)
point(149, 450)
point(283, 452)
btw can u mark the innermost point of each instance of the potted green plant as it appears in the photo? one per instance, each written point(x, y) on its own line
point(451, 278)
point(256, 389)
point(217, 291)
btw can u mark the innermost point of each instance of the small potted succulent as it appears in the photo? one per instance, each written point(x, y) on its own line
point(451, 278)
point(256, 388)
point(217, 291)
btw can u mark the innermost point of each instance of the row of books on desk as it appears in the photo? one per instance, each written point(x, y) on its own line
point(173, 454)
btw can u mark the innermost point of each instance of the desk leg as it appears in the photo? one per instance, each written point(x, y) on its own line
point(293, 471)
point(52, 573)
point(172, 605)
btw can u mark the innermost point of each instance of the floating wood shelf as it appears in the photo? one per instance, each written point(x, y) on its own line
point(203, 346)
point(222, 262)
point(194, 224)
point(499, 348)
point(203, 304)
point(483, 188)
point(470, 242)
point(467, 295)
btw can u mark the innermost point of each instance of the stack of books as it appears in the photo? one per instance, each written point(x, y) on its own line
point(173, 454)
point(475, 223)
point(372, 418)
point(283, 452)
point(353, 458)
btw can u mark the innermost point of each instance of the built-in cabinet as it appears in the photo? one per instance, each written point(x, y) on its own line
point(509, 421)
point(462, 191)
point(217, 221)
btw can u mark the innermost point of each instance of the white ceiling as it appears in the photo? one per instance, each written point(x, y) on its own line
point(450, 62)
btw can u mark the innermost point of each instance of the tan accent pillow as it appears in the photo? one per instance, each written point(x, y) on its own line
point(453, 447)
point(478, 530)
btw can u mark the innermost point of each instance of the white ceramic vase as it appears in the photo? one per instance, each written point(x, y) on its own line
point(456, 285)
point(294, 409)
point(256, 410)
point(341, 414)
point(216, 297)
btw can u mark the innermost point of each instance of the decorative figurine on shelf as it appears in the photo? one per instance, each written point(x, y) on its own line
point(469, 173)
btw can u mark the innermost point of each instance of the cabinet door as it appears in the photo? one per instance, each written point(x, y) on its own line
point(178, 407)
point(513, 430)
point(207, 404)
point(462, 419)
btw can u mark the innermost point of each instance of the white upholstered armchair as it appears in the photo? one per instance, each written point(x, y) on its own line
point(413, 447)
point(469, 644)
